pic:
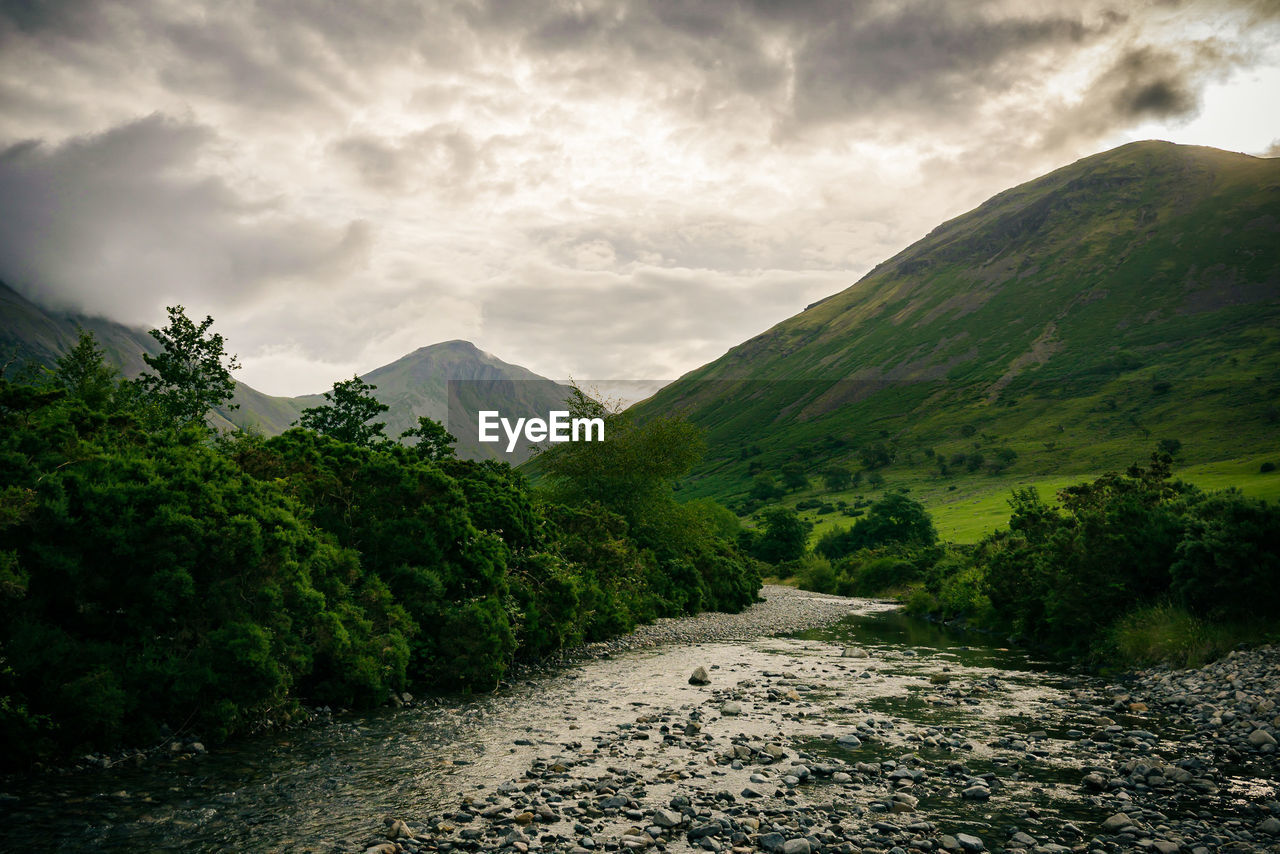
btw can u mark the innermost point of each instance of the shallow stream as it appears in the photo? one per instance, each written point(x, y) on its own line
point(917, 687)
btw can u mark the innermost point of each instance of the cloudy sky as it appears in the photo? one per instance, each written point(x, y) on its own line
point(599, 189)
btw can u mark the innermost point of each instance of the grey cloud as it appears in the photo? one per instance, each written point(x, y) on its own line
point(647, 324)
point(1148, 83)
point(810, 62)
point(929, 55)
point(310, 54)
point(117, 224)
point(443, 157)
point(1143, 82)
point(39, 17)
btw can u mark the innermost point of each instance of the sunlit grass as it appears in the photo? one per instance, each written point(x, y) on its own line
point(965, 509)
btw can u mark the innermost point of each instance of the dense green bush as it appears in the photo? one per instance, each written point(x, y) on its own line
point(782, 536)
point(159, 583)
point(1228, 561)
point(1064, 576)
point(893, 520)
point(154, 575)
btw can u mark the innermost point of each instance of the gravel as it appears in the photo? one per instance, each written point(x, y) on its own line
point(783, 610)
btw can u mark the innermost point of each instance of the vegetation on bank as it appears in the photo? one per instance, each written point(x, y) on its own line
point(156, 576)
point(1130, 568)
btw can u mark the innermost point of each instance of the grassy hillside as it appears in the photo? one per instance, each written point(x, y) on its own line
point(1073, 321)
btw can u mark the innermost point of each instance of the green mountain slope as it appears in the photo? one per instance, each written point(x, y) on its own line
point(450, 381)
point(1074, 320)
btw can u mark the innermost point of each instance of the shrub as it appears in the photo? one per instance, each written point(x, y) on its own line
point(816, 574)
point(876, 575)
point(783, 536)
point(1164, 633)
point(1228, 561)
point(893, 520)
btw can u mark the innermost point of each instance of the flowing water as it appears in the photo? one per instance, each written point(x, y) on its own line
point(312, 786)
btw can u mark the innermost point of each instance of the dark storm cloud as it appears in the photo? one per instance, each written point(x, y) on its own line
point(924, 56)
point(1149, 83)
point(1144, 83)
point(118, 223)
point(39, 16)
point(813, 62)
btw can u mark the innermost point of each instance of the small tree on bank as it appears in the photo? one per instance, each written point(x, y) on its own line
point(434, 443)
point(84, 373)
point(346, 414)
point(192, 374)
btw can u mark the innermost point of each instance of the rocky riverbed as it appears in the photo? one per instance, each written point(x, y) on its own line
point(816, 724)
point(827, 746)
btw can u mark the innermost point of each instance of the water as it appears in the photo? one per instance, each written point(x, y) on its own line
point(305, 789)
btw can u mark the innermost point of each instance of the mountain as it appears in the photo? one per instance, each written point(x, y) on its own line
point(1065, 325)
point(449, 382)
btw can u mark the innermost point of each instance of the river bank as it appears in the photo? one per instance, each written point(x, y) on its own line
point(871, 732)
point(889, 748)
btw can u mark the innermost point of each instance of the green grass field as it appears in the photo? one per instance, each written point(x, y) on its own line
point(966, 510)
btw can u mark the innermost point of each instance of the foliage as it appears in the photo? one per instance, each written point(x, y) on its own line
point(1167, 633)
point(631, 473)
point(83, 372)
point(836, 478)
point(815, 573)
point(793, 477)
point(1228, 560)
point(191, 374)
point(783, 536)
point(764, 487)
point(894, 519)
point(411, 524)
point(156, 578)
point(165, 585)
point(1112, 564)
point(434, 442)
point(346, 414)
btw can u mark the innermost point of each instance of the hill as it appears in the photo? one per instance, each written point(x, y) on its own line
point(1064, 326)
point(449, 382)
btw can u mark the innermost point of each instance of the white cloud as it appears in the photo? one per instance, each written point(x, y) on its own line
point(612, 188)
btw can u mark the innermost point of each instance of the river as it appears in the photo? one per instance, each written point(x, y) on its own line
point(911, 692)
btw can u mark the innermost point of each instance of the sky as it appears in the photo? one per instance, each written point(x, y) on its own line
point(609, 190)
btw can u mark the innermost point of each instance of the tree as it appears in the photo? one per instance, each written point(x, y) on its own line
point(84, 373)
point(875, 455)
point(192, 372)
point(632, 471)
point(1169, 447)
point(893, 520)
point(345, 416)
point(764, 487)
point(434, 442)
point(836, 477)
point(793, 476)
point(784, 536)
point(1004, 457)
